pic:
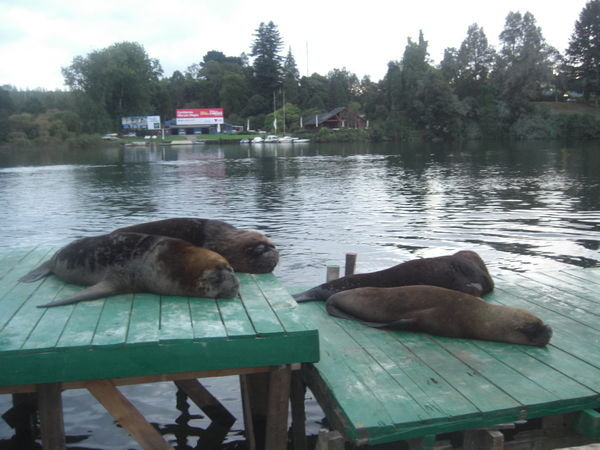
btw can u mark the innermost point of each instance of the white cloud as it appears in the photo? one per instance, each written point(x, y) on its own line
point(40, 37)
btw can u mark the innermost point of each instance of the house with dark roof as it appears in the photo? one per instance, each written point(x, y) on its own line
point(340, 117)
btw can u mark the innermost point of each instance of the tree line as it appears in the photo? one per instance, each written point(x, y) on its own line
point(475, 92)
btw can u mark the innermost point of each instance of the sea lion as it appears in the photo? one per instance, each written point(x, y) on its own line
point(463, 271)
point(439, 311)
point(119, 263)
point(247, 251)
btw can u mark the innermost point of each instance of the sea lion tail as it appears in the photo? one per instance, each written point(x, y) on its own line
point(102, 289)
point(39, 272)
point(312, 295)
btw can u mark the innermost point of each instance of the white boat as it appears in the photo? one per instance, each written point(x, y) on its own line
point(271, 138)
point(257, 140)
point(286, 139)
point(301, 140)
point(245, 141)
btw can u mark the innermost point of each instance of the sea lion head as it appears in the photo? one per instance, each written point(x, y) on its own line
point(516, 326)
point(471, 274)
point(202, 272)
point(248, 251)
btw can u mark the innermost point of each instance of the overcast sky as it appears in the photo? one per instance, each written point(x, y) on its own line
point(38, 37)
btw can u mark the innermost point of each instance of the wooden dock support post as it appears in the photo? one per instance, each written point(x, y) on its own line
point(297, 395)
point(52, 425)
point(265, 398)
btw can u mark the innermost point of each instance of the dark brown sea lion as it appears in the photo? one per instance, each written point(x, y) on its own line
point(247, 251)
point(119, 263)
point(463, 271)
point(439, 311)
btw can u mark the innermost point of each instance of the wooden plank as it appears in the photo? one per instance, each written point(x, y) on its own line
point(18, 328)
point(581, 291)
point(14, 293)
point(80, 328)
point(144, 324)
point(262, 316)
point(10, 258)
point(353, 376)
point(426, 388)
point(286, 308)
point(206, 319)
point(234, 316)
point(175, 320)
point(113, 323)
point(127, 415)
point(52, 426)
point(568, 333)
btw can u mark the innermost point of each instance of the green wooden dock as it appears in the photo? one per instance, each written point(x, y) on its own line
point(379, 386)
point(140, 338)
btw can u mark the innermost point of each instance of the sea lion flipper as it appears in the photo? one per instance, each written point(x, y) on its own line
point(39, 272)
point(104, 288)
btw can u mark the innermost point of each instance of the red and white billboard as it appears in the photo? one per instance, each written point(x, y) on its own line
point(206, 116)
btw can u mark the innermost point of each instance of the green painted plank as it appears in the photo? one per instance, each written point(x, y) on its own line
point(590, 275)
point(206, 319)
point(505, 377)
point(353, 376)
point(539, 365)
point(568, 333)
point(411, 370)
point(175, 320)
point(135, 360)
point(18, 328)
point(551, 300)
point(9, 259)
point(144, 325)
point(79, 330)
point(283, 304)
point(476, 388)
point(421, 401)
point(564, 295)
point(262, 316)
point(30, 261)
point(234, 316)
point(113, 323)
point(13, 293)
point(581, 293)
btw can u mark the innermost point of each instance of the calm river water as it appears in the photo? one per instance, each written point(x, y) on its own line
point(533, 206)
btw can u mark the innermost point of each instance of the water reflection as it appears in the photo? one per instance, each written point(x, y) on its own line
point(523, 207)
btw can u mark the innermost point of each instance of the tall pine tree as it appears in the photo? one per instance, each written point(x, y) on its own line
point(267, 61)
point(583, 54)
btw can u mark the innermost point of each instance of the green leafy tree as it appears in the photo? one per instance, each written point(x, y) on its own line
point(525, 62)
point(267, 64)
point(120, 78)
point(583, 54)
point(313, 92)
point(342, 88)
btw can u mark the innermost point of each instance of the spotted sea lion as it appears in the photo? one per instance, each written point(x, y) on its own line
point(119, 263)
point(463, 271)
point(439, 311)
point(247, 251)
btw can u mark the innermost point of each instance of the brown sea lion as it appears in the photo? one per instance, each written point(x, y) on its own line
point(247, 251)
point(119, 263)
point(463, 271)
point(439, 311)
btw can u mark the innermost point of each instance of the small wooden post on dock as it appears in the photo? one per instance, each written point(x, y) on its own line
point(350, 264)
